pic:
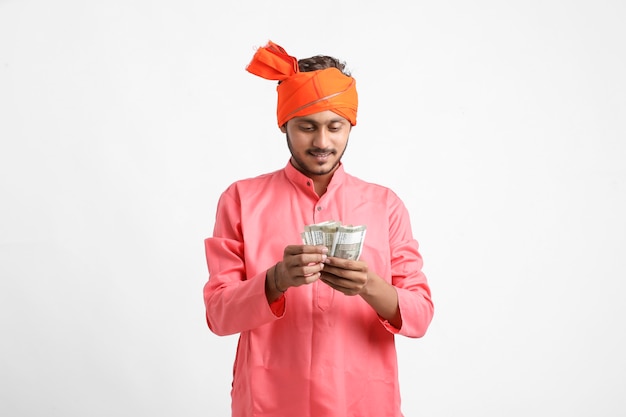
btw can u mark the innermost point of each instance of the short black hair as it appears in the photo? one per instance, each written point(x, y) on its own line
point(320, 62)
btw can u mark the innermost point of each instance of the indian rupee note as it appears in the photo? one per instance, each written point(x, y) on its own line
point(321, 233)
point(348, 242)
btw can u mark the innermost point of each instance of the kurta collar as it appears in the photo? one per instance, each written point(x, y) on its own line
point(306, 183)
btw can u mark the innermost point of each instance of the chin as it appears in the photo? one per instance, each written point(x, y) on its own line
point(324, 169)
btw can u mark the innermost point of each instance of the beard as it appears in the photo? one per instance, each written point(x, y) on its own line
point(310, 168)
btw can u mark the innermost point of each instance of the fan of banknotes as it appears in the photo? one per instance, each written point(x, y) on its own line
point(342, 241)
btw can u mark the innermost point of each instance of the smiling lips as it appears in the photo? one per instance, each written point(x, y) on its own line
point(321, 154)
point(321, 157)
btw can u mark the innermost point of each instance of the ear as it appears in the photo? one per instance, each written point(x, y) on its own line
point(283, 128)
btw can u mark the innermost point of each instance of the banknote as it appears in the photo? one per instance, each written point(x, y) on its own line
point(342, 241)
point(348, 242)
point(321, 233)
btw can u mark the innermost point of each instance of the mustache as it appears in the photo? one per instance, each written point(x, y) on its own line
point(320, 150)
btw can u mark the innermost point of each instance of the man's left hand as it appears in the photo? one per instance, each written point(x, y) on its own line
point(347, 276)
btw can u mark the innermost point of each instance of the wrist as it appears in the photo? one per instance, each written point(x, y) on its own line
point(372, 286)
point(276, 285)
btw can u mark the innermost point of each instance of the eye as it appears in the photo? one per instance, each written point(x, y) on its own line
point(335, 128)
point(306, 127)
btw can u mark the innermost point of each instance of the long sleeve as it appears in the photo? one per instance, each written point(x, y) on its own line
point(234, 301)
point(414, 297)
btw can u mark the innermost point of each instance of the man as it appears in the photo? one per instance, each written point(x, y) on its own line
point(316, 331)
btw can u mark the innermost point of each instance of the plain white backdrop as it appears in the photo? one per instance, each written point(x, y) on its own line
point(502, 126)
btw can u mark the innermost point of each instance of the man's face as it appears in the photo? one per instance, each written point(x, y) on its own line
point(317, 142)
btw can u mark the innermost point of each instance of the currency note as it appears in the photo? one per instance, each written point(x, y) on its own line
point(321, 233)
point(348, 242)
point(342, 241)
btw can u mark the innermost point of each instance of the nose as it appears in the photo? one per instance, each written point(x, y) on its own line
point(322, 139)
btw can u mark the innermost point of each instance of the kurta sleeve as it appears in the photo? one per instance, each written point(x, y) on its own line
point(414, 296)
point(234, 302)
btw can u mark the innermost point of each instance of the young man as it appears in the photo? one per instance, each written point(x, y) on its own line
point(316, 331)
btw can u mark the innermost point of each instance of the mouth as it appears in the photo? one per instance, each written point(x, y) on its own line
point(321, 154)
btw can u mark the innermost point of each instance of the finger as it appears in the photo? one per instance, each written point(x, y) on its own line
point(344, 286)
point(312, 258)
point(346, 264)
point(296, 272)
point(345, 274)
point(305, 280)
point(304, 259)
point(344, 278)
point(336, 285)
point(302, 249)
point(312, 268)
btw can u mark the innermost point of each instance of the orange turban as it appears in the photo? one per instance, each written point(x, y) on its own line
point(304, 93)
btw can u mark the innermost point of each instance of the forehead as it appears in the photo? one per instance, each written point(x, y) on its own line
point(323, 117)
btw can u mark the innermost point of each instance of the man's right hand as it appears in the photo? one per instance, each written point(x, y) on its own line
point(301, 265)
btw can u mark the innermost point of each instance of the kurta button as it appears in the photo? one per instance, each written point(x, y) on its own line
point(319, 208)
point(308, 183)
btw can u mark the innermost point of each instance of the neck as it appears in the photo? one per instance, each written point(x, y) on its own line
point(321, 184)
point(320, 181)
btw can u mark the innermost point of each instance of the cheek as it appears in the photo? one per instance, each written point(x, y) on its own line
point(297, 144)
point(340, 141)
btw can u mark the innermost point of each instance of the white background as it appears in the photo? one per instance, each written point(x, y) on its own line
point(502, 125)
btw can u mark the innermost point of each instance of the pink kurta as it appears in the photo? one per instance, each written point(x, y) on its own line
point(314, 352)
